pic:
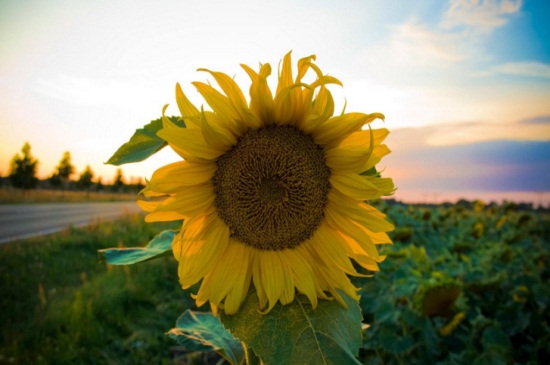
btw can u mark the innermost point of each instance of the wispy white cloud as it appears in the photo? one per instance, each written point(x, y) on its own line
point(449, 134)
point(523, 69)
point(482, 16)
point(417, 43)
point(457, 36)
point(531, 69)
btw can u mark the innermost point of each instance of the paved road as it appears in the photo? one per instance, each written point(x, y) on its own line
point(19, 221)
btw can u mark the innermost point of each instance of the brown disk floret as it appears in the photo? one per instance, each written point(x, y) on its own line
point(271, 187)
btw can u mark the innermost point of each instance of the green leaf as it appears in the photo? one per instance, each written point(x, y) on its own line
point(197, 331)
point(495, 338)
point(143, 144)
point(491, 358)
point(297, 334)
point(385, 312)
point(160, 245)
point(371, 172)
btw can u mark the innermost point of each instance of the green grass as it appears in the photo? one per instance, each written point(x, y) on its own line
point(59, 305)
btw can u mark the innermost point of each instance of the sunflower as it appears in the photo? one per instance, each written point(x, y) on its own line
point(272, 191)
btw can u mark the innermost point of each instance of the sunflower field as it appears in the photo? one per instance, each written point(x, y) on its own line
point(462, 284)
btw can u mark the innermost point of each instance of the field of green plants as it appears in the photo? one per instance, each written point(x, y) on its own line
point(463, 284)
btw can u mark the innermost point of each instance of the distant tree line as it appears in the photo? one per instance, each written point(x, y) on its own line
point(24, 167)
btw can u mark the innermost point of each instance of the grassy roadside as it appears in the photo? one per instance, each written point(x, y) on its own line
point(59, 305)
point(19, 196)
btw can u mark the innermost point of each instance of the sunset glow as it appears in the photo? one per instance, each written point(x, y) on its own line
point(464, 84)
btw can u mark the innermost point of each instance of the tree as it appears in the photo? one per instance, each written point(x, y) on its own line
point(85, 180)
point(118, 184)
point(99, 184)
point(63, 171)
point(23, 169)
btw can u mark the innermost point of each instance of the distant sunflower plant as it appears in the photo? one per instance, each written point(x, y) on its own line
point(273, 197)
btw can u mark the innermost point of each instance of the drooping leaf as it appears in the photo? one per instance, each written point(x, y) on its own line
point(297, 334)
point(160, 245)
point(198, 331)
point(143, 143)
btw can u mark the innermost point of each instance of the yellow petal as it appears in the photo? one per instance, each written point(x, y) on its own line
point(375, 157)
point(324, 80)
point(256, 256)
point(174, 176)
point(204, 294)
point(216, 135)
point(341, 223)
point(271, 274)
point(190, 143)
point(322, 109)
point(362, 139)
point(231, 89)
point(187, 110)
point(190, 200)
point(356, 251)
point(358, 152)
point(148, 206)
point(184, 242)
point(221, 105)
point(261, 99)
point(367, 262)
point(288, 100)
point(303, 66)
point(163, 217)
point(170, 128)
point(239, 291)
point(338, 128)
point(228, 271)
point(289, 105)
point(285, 74)
point(383, 184)
point(354, 185)
point(288, 292)
point(346, 159)
point(364, 214)
point(379, 238)
point(299, 262)
point(329, 248)
point(213, 243)
point(332, 279)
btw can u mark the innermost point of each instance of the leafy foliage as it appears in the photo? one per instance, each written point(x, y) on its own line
point(65, 167)
point(143, 143)
point(160, 245)
point(297, 334)
point(198, 331)
point(460, 285)
point(85, 179)
point(63, 171)
point(23, 169)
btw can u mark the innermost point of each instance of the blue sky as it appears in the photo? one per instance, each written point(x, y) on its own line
point(449, 76)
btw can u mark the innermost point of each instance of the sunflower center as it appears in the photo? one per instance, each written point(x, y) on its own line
point(271, 188)
point(272, 191)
